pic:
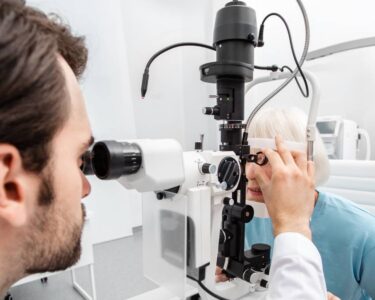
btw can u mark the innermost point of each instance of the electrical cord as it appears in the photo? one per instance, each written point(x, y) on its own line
point(175, 46)
point(291, 47)
point(153, 57)
point(146, 71)
point(206, 289)
point(287, 81)
point(275, 68)
point(297, 81)
point(272, 68)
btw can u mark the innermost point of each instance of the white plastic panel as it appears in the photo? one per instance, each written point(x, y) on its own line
point(353, 168)
point(352, 183)
point(353, 180)
point(164, 242)
point(359, 197)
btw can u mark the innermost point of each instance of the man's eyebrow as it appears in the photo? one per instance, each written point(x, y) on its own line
point(89, 143)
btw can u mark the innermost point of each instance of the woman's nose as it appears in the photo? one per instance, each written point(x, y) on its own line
point(250, 174)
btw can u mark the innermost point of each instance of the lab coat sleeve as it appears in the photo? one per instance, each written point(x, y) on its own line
point(296, 269)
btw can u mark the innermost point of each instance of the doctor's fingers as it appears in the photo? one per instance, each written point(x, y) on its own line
point(274, 159)
point(218, 271)
point(300, 159)
point(283, 151)
point(220, 276)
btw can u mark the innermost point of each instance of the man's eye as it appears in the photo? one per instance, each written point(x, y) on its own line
point(85, 163)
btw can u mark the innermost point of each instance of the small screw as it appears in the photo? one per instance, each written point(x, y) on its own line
point(160, 195)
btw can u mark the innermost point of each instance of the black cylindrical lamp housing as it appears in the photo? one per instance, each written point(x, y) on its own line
point(235, 33)
point(235, 36)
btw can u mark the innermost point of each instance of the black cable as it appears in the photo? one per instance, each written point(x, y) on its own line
point(261, 43)
point(296, 79)
point(175, 46)
point(275, 68)
point(146, 71)
point(206, 289)
point(272, 68)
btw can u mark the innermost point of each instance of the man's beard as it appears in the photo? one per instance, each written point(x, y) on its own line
point(54, 241)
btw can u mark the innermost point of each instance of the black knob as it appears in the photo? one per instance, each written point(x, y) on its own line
point(250, 276)
point(267, 270)
point(198, 146)
point(227, 200)
point(259, 249)
point(208, 168)
point(248, 213)
point(213, 111)
point(160, 195)
point(264, 283)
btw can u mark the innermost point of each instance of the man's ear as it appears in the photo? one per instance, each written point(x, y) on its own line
point(13, 210)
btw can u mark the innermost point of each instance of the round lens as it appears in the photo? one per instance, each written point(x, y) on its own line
point(261, 159)
point(101, 160)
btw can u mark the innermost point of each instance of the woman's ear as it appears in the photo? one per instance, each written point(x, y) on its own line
point(13, 210)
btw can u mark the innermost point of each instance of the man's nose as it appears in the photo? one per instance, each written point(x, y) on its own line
point(86, 187)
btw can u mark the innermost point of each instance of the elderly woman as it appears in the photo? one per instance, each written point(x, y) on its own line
point(343, 233)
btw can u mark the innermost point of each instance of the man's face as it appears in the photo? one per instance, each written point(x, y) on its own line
point(55, 231)
point(253, 191)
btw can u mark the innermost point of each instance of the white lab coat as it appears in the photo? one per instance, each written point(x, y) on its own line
point(296, 270)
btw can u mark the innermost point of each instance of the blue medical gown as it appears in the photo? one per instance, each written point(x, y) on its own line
point(345, 237)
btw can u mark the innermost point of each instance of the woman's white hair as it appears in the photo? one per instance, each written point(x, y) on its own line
point(290, 124)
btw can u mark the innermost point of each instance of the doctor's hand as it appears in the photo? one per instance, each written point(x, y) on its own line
point(289, 192)
point(221, 277)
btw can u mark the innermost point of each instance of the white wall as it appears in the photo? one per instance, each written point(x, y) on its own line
point(172, 107)
point(173, 104)
point(121, 36)
point(106, 89)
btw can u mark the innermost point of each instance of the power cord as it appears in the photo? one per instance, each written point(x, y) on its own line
point(146, 71)
point(261, 44)
point(183, 44)
point(272, 68)
point(291, 71)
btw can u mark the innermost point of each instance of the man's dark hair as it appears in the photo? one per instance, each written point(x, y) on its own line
point(33, 97)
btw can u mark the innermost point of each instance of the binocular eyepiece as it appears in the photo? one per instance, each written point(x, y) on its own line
point(111, 160)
